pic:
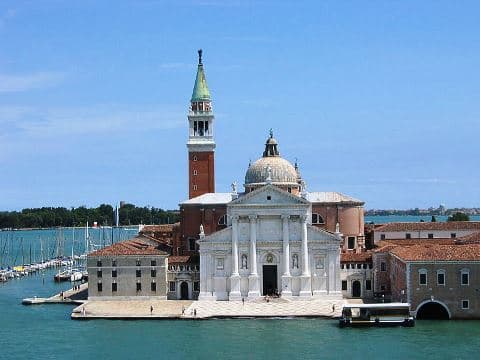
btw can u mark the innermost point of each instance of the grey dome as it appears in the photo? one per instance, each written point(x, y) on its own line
point(282, 171)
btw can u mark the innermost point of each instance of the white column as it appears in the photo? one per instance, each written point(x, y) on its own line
point(286, 245)
point(286, 278)
point(235, 277)
point(234, 245)
point(253, 284)
point(305, 265)
point(306, 282)
point(253, 244)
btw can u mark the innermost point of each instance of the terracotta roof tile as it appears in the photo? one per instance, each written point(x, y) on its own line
point(417, 226)
point(354, 257)
point(432, 252)
point(473, 238)
point(179, 259)
point(135, 246)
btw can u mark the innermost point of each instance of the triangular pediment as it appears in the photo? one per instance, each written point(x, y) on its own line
point(269, 195)
point(318, 234)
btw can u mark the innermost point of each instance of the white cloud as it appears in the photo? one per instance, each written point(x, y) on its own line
point(18, 83)
point(51, 122)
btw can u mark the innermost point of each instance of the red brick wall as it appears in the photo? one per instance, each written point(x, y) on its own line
point(205, 178)
point(191, 217)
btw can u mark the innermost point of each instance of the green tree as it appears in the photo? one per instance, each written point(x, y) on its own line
point(458, 216)
point(434, 219)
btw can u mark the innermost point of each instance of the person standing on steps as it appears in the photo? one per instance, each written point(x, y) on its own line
point(151, 309)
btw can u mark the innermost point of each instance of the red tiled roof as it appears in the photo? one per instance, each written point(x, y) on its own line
point(469, 252)
point(134, 246)
point(159, 228)
point(417, 226)
point(473, 238)
point(417, 241)
point(179, 259)
point(354, 257)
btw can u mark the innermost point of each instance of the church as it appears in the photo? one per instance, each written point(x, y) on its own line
point(274, 238)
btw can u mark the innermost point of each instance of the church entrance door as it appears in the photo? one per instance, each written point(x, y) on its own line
point(356, 289)
point(270, 286)
point(184, 291)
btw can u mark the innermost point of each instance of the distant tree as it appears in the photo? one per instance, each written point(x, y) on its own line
point(434, 219)
point(458, 216)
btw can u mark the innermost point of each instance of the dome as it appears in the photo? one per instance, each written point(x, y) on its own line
point(282, 171)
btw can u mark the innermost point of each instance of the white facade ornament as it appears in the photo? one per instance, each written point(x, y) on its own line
point(234, 187)
point(202, 232)
point(269, 175)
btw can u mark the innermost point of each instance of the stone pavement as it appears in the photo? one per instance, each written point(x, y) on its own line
point(130, 309)
point(172, 309)
point(262, 308)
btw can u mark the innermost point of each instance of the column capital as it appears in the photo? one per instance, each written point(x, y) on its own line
point(285, 217)
point(235, 218)
point(303, 218)
point(253, 217)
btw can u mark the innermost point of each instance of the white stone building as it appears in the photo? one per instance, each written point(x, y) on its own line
point(270, 246)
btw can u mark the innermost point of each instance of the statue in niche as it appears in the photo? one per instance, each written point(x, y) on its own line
point(318, 263)
point(295, 261)
point(244, 262)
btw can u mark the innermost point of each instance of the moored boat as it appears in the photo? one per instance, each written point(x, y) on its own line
point(389, 314)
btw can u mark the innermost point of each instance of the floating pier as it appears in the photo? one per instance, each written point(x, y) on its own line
point(66, 297)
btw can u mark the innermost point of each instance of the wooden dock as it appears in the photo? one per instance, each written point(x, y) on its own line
point(66, 297)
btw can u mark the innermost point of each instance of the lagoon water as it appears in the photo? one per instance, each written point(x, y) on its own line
point(46, 332)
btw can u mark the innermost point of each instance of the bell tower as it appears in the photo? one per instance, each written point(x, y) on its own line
point(200, 144)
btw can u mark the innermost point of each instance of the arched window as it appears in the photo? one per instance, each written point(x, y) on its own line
point(465, 277)
point(222, 220)
point(422, 277)
point(441, 277)
point(317, 219)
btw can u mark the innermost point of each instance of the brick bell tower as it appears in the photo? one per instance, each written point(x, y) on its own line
point(200, 144)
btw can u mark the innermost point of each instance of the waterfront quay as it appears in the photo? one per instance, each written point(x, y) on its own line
point(184, 309)
point(71, 296)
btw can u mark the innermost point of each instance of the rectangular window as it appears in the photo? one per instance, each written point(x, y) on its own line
point(383, 266)
point(138, 263)
point(408, 236)
point(153, 286)
point(153, 263)
point(344, 284)
point(423, 279)
point(196, 286)
point(114, 273)
point(382, 237)
point(440, 278)
point(465, 278)
point(114, 287)
point(171, 286)
point(453, 235)
point(430, 236)
point(195, 187)
point(99, 273)
point(99, 287)
point(138, 273)
point(368, 284)
point(465, 304)
point(153, 273)
point(99, 263)
point(114, 263)
point(139, 286)
point(351, 242)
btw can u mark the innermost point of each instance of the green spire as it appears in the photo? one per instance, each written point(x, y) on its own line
point(200, 90)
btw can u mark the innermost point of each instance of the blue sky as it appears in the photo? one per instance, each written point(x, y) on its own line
point(376, 99)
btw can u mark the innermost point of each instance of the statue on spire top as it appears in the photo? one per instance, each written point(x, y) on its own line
point(200, 56)
point(271, 133)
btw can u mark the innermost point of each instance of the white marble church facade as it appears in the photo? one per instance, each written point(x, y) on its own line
point(269, 247)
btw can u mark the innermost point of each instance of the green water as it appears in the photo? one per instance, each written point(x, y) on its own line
point(46, 332)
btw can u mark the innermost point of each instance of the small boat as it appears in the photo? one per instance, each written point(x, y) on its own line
point(76, 275)
point(389, 314)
